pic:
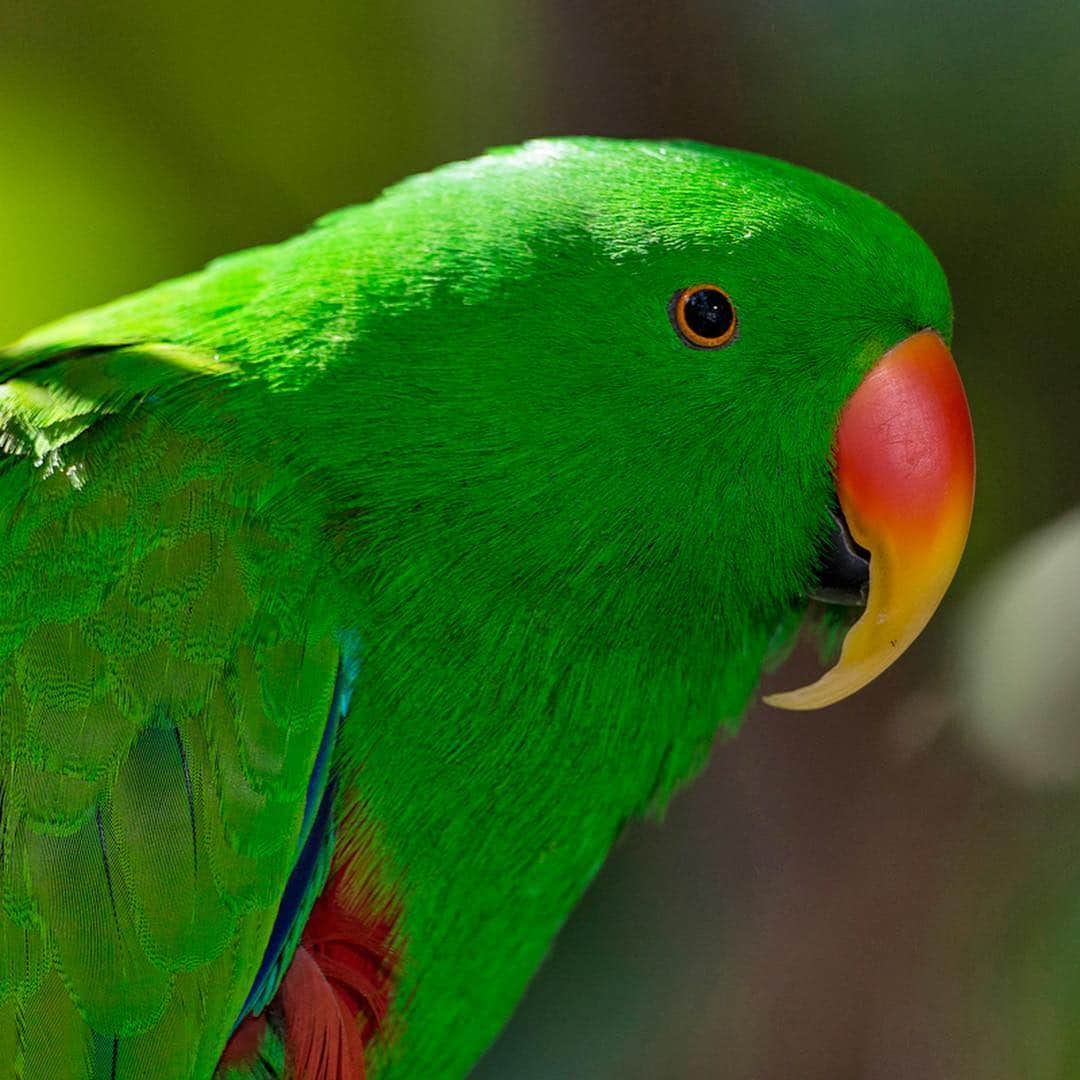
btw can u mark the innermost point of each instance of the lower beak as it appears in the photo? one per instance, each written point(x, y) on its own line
point(905, 479)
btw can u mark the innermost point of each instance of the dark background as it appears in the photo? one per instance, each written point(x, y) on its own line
point(888, 889)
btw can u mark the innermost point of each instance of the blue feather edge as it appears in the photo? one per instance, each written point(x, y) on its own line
point(314, 846)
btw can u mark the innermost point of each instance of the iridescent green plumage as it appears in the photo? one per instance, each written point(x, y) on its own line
point(457, 422)
point(163, 700)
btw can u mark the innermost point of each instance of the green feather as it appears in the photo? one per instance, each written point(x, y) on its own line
point(159, 719)
point(458, 420)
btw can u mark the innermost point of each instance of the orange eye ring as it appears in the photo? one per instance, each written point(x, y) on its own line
point(704, 316)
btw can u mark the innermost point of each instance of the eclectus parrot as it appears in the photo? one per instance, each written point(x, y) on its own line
point(356, 591)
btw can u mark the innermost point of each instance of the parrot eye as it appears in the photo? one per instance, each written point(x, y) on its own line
point(703, 315)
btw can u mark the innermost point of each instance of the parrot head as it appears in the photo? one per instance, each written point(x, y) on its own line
point(697, 387)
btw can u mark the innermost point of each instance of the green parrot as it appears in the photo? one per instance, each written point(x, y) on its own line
point(357, 590)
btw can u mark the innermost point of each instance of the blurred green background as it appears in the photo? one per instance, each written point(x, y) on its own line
point(889, 889)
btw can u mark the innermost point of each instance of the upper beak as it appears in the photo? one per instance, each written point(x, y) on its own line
point(905, 479)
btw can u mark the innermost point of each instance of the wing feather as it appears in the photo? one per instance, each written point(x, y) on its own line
point(166, 675)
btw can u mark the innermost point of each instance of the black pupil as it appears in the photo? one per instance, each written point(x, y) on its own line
point(708, 313)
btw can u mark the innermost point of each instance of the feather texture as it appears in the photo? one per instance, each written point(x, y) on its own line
point(161, 719)
point(459, 422)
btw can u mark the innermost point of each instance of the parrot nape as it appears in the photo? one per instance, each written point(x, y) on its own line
point(356, 591)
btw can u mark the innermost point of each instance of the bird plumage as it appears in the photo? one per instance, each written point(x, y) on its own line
point(453, 433)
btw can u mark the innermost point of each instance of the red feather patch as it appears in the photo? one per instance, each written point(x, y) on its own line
point(335, 995)
point(322, 1039)
point(243, 1048)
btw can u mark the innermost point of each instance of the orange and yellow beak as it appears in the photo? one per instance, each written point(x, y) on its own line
point(905, 479)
